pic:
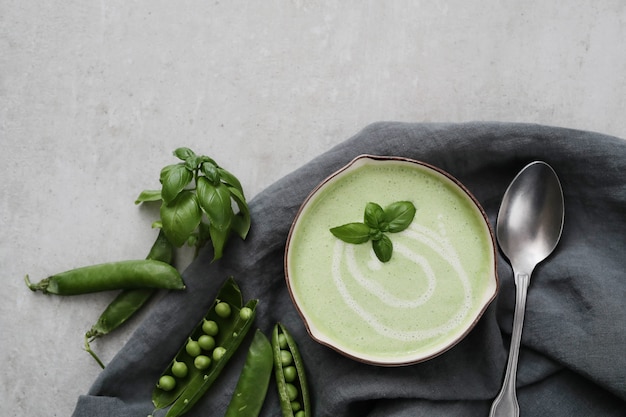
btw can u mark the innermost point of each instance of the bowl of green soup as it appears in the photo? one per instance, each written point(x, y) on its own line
point(390, 261)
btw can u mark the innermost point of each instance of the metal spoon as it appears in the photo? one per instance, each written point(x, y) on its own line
point(529, 227)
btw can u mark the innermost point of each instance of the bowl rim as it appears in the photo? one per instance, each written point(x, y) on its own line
point(354, 163)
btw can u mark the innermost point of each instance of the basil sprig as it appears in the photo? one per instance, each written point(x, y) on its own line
point(197, 198)
point(377, 223)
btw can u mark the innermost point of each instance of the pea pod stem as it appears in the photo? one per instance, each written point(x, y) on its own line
point(92, 353)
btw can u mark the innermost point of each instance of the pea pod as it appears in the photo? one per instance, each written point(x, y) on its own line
point(293, 390)
point(251, 389)
point(128, 302)
point(111, 276)
point(228, 328)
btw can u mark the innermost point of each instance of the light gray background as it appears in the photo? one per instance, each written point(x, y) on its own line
point(94, 96)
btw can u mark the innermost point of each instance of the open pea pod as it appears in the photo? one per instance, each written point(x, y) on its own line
point(205, 353)
point(291, 381)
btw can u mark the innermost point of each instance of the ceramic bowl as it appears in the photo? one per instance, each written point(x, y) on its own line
point(440, 279)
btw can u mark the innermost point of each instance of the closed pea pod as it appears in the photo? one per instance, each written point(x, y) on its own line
point(111, 276)
point(127, 303)
point(293, 390)
point(251, 389)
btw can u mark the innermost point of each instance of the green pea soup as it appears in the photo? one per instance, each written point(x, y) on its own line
point(440, 279)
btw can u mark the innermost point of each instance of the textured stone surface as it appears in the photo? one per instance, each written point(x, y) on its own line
point(95, 96)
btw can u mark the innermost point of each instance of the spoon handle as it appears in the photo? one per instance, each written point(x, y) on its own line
point(505, 404)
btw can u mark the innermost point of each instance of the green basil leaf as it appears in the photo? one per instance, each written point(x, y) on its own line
point(383, 248)
point(192, 162)
point(184, 153)
point(180, 217)
point(376, 234)
point(399, 215)
point(241, 222)
point(204, 158)
point(148, 195)
point(211, 172)
point(374, 216)
point(230, 179)
point(352, 232)
point(215, 202)
point(218, 239)
point(174, 179)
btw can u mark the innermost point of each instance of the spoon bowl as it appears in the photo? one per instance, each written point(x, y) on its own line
point(530, 219)
point(529, 226)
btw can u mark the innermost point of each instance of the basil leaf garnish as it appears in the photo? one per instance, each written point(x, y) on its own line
point(374, 215)
point(383, 248)
point(352, 232)
point(399, 215)
point(377, 222)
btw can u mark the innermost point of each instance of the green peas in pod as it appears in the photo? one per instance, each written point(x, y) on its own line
point(208, 348)
point(293, 391)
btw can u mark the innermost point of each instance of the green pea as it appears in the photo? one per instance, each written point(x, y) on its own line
point(218, 352)
point(167, 383)
point(193, 348)
point(290, 373)
point(210, 327)
point(206, 342)
point(285, 357)
point(202, 362)
point(300, 414)
point(222, 309)
point(282, 341)
point(245, 313)
point(179, 369)
point(292, 391)
point(296, 406)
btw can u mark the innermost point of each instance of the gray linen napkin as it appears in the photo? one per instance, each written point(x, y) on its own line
point(572, 360)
